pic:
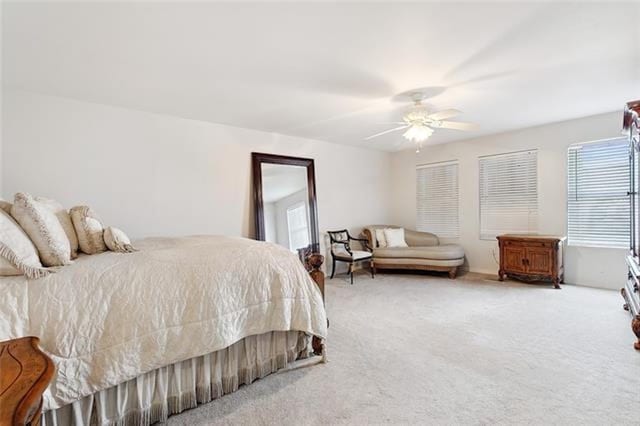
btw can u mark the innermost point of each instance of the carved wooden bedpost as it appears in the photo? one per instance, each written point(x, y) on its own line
point(314, 263)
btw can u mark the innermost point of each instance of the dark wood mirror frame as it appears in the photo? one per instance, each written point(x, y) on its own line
point(257, 159)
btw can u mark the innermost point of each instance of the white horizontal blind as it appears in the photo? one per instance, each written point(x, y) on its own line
point(597, 200)
point(437, 199)
point(508, 194)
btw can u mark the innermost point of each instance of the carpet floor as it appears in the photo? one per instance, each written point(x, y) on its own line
point(423, 349)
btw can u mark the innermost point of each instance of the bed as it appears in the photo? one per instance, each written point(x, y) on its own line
point(139, 336)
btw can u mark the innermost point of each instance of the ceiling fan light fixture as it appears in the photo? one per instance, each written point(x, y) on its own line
point(418, 134)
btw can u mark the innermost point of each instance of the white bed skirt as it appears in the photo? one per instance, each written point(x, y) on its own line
point(155, 395)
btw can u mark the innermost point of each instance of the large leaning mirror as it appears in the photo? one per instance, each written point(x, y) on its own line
point(284, 191)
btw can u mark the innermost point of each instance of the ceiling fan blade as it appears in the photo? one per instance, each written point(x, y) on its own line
point(458, 125)
point(444, 114)
point(385, 132)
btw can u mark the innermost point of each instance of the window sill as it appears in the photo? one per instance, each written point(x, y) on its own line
point(593, 246)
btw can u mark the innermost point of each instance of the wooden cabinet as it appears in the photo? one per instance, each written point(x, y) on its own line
point(631, 291)
point(532, 258)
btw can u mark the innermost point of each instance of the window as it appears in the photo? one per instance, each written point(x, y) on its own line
point(297, 226)
point(597, 200)
point(437, 199)
point(508, 194)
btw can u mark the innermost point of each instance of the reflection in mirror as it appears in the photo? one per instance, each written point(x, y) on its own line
point(284, 194)
point(285, 200)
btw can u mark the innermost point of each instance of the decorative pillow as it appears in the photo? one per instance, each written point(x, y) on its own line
point(18, 255)
point(117, 240)
point(380, 238)
point(89, 229)
point(65, 220)
point(5, 205)
point(44, 230)
point(395, 237)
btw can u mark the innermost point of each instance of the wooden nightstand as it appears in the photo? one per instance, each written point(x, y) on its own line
point(25, 373)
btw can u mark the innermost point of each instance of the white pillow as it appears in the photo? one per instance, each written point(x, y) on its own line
point(117, 240)
point(5, 205)
point(18, 255)
point(395, 237)
point(65, 220)
point(89, 229)
point(43, 228)
point(380, 238)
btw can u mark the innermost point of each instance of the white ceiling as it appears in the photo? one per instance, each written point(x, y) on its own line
point(329, 71)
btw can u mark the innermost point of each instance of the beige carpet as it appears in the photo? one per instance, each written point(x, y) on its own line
point(411, 349)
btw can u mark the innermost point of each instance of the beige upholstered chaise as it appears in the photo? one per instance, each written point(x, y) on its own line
point(424, 252)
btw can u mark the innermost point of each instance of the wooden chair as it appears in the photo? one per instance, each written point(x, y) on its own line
point(341, 251)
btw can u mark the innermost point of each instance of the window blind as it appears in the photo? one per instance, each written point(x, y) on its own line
point(437, 199)
point(597, 200)
point(508, 194)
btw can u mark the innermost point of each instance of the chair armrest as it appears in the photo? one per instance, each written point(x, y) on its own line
point(364, 241)
point(369, 236)
point(420, 239)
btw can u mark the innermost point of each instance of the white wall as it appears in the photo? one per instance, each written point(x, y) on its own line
point(270, 231)
point(585, 266)
point(1, 102)
point(154, 174)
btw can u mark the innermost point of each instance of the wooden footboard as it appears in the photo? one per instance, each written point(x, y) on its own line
point(313, 262)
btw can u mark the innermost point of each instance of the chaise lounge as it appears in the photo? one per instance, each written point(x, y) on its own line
point(423, 252)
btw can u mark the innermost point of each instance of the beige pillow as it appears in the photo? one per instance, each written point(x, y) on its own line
point(18, 255)
point(395, 237)
point(65, 220)
point(89, 229)
point(44, 230)
point(117, 240)
point(380, 238)
point(5, 205)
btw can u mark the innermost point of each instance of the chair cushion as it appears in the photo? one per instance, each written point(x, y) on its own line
point(443, 252)
point(357, 254)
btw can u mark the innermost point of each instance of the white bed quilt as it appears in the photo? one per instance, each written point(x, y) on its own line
point(110, 317)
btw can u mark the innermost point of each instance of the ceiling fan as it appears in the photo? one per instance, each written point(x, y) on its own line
point(421, 123)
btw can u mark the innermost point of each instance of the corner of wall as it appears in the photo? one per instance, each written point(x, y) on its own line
point(1, 102)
